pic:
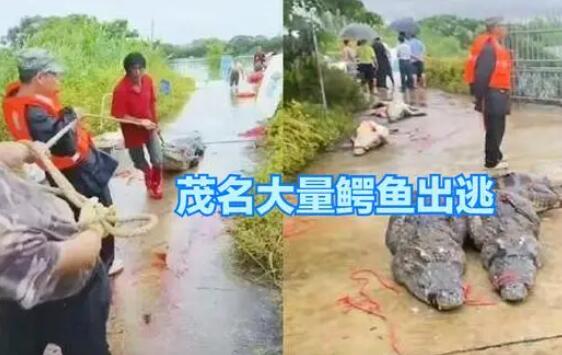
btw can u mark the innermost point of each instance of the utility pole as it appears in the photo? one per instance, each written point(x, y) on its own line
point(310, 16)
point(319, 64)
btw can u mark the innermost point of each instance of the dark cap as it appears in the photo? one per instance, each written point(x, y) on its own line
point(492, 22)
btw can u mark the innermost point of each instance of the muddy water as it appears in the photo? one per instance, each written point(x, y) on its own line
point(322, 252)
point(179, 294)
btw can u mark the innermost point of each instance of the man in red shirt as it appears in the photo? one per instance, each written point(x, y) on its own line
point(134, 100)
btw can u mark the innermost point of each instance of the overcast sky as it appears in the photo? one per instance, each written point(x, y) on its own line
point(512, 9)
point(175, 21)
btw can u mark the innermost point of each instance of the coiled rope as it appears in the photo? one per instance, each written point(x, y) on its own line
point(106, 216)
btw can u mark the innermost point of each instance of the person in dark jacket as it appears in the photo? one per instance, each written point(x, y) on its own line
point(384, 69)
point(39, 75)
point(489, 76)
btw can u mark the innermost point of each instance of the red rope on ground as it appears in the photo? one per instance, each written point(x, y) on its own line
point(473, 301)
point(383, 281)
point(505, 279)
point(293, 227)
point(256, 132)
point(394, 339)
point(369, 305)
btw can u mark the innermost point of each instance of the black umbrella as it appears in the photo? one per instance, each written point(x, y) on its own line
point(406, 25)
point(358, 31)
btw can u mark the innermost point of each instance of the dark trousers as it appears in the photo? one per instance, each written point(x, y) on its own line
point(406, 77)
point(107, 252)
point(76, 324)
point(495, 129)
point(368, 74)
point(381, 79)
point(495, 106)
point(234, 78)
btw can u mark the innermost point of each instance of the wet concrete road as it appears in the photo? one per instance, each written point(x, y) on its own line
point(179, 293)
point(322, 253)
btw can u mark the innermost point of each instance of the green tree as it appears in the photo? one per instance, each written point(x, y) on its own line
point(92, 57)
point(215, 51)
point(28, 26)
point(462, 29)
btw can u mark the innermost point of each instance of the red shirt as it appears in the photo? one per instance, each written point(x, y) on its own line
point(127, 101)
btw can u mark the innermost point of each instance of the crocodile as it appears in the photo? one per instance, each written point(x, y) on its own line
point(427, 250)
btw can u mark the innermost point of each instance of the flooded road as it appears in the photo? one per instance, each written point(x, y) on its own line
point(179, 293)
point(323, 252)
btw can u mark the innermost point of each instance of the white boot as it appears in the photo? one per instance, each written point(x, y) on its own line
point(501, 165)
point(116, 267)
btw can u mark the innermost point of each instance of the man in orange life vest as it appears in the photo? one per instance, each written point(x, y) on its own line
point(488, 72)
point(33, 112)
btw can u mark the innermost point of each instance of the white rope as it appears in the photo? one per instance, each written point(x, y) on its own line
point(107, 216)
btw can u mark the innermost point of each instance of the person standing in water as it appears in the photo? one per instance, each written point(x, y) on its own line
point(236, 73)
point(259, 60)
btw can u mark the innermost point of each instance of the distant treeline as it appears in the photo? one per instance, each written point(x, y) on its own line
point(237, 46)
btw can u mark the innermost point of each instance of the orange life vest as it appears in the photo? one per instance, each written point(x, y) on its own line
point(501, 77)
point(15, 109)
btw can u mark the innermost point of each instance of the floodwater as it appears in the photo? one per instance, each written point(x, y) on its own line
point(321, 253)
point(179, 293)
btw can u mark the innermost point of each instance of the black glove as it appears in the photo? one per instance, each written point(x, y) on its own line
point(68, 114)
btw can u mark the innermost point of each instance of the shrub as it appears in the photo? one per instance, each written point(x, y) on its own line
point(447, 75)
point(301, 83)
point(294, 137)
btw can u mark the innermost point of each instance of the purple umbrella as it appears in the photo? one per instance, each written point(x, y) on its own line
point(406, 25)
point(358, 31)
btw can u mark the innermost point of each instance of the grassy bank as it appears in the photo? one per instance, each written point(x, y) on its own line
point(447, 75)
point(92, 54)
point(294, 137)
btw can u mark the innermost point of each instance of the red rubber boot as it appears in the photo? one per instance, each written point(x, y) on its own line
point(148, 178)
point(157, 183)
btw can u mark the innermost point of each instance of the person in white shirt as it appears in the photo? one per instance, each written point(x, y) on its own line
point(404, 54)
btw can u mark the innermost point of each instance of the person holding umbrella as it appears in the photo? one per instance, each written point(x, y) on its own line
point(404, 54)
point(367, 62)
point(406, 27)
point(365, 55)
